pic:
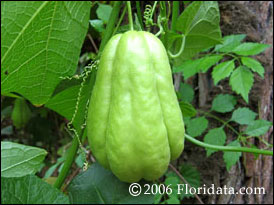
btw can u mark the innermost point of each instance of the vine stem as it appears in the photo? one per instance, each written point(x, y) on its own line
point(130, 15)
point(181, 49)
point(160, 26)
point(92, 42)
point(139, 14)
point(175, 13)
point(153, 9)
point(220, 120)
point(120, 21)
point(261, 139)
point(228, 148)
point(72, 151)
point(111, 24)
point(185, 181)
point(235, 57)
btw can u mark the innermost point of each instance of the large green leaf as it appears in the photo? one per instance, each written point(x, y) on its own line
point(254, 65)
point(208, 61)
point(99, 186)
point(40, 42)
point(191, 67)
point(222, 71)
point(64, 102)
point(192, 176)
point(30, 190)
point(188, 68)
point(196, 126)
point(215, 136)
point(249, 48)
point(223, 103)
point(186, 92)
point(187, 109)
point(103, 12)
point(258, 128)
point(230, 42)
point(231, 158)
point(200, 24)
point(172, 182)
point(18, 160)
point(241, 81)
point(243, 116)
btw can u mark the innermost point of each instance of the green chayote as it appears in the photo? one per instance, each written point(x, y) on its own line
point(21, 113)
point(134, 124)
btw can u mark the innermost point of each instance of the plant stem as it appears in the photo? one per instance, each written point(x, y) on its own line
point(229, 54)
point(222, 121)
point(228, 148)
point(111, 24)
point(139, 14)
point(120, 20)
point(67, 165)
point(72, 151)
point(175, 13)
point(130, 15)
point(160, 27)
point(92, 42)
point(185, 181)
point(153, 9)
point(264, 141)
point(169, 10)
point(164, 21)
point(181, 49)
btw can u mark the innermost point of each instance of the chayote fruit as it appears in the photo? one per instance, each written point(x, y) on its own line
point(21, 113)
point(134, 123)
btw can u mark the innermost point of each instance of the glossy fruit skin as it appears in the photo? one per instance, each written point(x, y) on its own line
point(134, 125)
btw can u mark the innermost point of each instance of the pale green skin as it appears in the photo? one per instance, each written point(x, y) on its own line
point(134, 124)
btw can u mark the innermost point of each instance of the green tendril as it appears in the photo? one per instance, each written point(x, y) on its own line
point(181, 49)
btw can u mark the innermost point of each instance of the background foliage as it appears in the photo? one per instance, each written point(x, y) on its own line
point(49, 59)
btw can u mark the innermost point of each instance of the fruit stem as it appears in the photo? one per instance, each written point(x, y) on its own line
point(130, 15)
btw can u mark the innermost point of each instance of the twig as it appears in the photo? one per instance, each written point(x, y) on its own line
point(90, 156)
point(185, 181)
point(92, 42)
point(220, 120)
point(74, 173)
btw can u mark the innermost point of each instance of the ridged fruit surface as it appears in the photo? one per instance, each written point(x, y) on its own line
point(135, 126)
